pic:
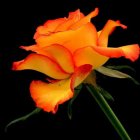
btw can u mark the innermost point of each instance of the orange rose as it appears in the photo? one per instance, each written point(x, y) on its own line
point(67, 49)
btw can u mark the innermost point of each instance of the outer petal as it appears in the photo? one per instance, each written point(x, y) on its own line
point(59, 54)
point(42, 64)
point(30, 48)
point(129, 51)
point(87, 55)
point(72, 39)
point(107, 30)
point(49, 96)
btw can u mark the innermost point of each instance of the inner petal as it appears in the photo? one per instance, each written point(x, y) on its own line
point(85, 19)
point(48, 27)
point(73, 18)
point(72, 39)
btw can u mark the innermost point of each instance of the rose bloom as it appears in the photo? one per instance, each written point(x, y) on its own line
point(67, 50)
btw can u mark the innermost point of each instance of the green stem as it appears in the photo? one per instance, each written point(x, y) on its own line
point(108, 112)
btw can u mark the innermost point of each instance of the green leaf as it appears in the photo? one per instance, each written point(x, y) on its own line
point(105, 93)
point(120, 67)
point(115, 74)
point(23, 118)
point(108, 112)
point(76, 93)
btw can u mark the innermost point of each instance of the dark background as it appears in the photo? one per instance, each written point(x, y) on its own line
point(19, 21)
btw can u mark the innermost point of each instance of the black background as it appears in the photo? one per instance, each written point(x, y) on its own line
point(19, 21)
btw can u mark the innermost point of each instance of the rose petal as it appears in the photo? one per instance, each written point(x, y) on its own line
point(99, 32)
point(80, 74)
point(60, 55)
point(73, 18)
point(42, 64)
point(76, 13)
point(49, 96)
point(48, 27)
point(30, 48)
point(129, 51)
point(52, 24)
point(60, 24)
point(87, 55)
point(72, 39)
point(85, 19)
point(107, 30)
